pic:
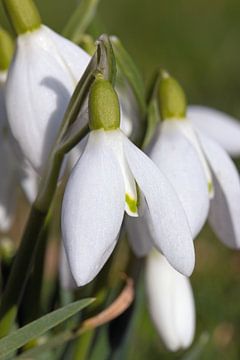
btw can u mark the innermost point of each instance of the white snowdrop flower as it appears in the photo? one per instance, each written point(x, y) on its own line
point(200, 170)
point(221, 127)
point(109, 179)
point(171, 303)
point(43, 75)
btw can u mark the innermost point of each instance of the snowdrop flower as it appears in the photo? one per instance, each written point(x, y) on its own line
point(171, 303)
point(221, 127)
point(200, 170)
point(112, 177)
point(45, 70)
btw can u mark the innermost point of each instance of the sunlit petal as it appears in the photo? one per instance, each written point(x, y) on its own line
point(93, 209)
point(171, 234)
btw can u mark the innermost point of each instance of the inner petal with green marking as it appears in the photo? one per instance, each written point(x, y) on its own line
point(131, 194)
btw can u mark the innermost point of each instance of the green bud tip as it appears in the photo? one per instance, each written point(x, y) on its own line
point(6, 49)
point(103, 106)
point(171, 98)
point(23, 15)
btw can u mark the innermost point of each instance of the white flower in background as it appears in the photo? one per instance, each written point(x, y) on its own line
point(221, 127)
point(171, 303)
point(111, 177)
point(200, 170)
point(13, 172)
point(45, 70)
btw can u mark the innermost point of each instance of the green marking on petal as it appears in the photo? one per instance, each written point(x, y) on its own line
point(132, 203)
point(210, 187)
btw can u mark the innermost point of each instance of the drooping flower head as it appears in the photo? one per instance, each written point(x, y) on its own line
point(45, 70)
point(113, 177)
point(198, 167)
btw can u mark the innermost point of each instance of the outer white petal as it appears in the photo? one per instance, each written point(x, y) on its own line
point(66, 279)
point(171, 303)
point(171, 232)
point(221, 127)
point(8, 185)
point(178, 160)
point(93, 209)
point(38, 90)
point(74, 57)
point(225, 206)
point(185, 126)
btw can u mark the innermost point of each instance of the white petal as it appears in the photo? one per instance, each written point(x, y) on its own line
point(38, 90)
point(185, 126)
point(66, 279)
point(93, 209)
point(171, 230)
point(171, 303)
point(221, 127)
point(74, 57)
point(225, 206)
point(179, 161)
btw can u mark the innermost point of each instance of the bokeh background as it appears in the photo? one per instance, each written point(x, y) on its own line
point(199, 43)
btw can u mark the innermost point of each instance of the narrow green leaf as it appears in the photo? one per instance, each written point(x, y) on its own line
point(130, 71)
point(152, 121)
point(80, 20)
point(36, 328)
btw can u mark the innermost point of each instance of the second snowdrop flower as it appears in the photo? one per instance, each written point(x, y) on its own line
point(112, 177)
point(200, 170)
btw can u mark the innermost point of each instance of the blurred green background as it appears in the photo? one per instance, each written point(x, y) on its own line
point(199, 43)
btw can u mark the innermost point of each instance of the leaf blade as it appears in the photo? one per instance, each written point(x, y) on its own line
point(36, 328)
point(80, 20)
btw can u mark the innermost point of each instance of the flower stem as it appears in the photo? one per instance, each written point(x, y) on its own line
point(21, 266)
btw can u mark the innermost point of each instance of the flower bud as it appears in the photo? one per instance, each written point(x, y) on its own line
point(103, 106)
point(6, 49)
point(23, 15)
point(171, 97)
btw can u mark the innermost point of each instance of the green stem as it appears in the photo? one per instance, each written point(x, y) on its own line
point(23, 15)
point(17, 278)
point(30, 308)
